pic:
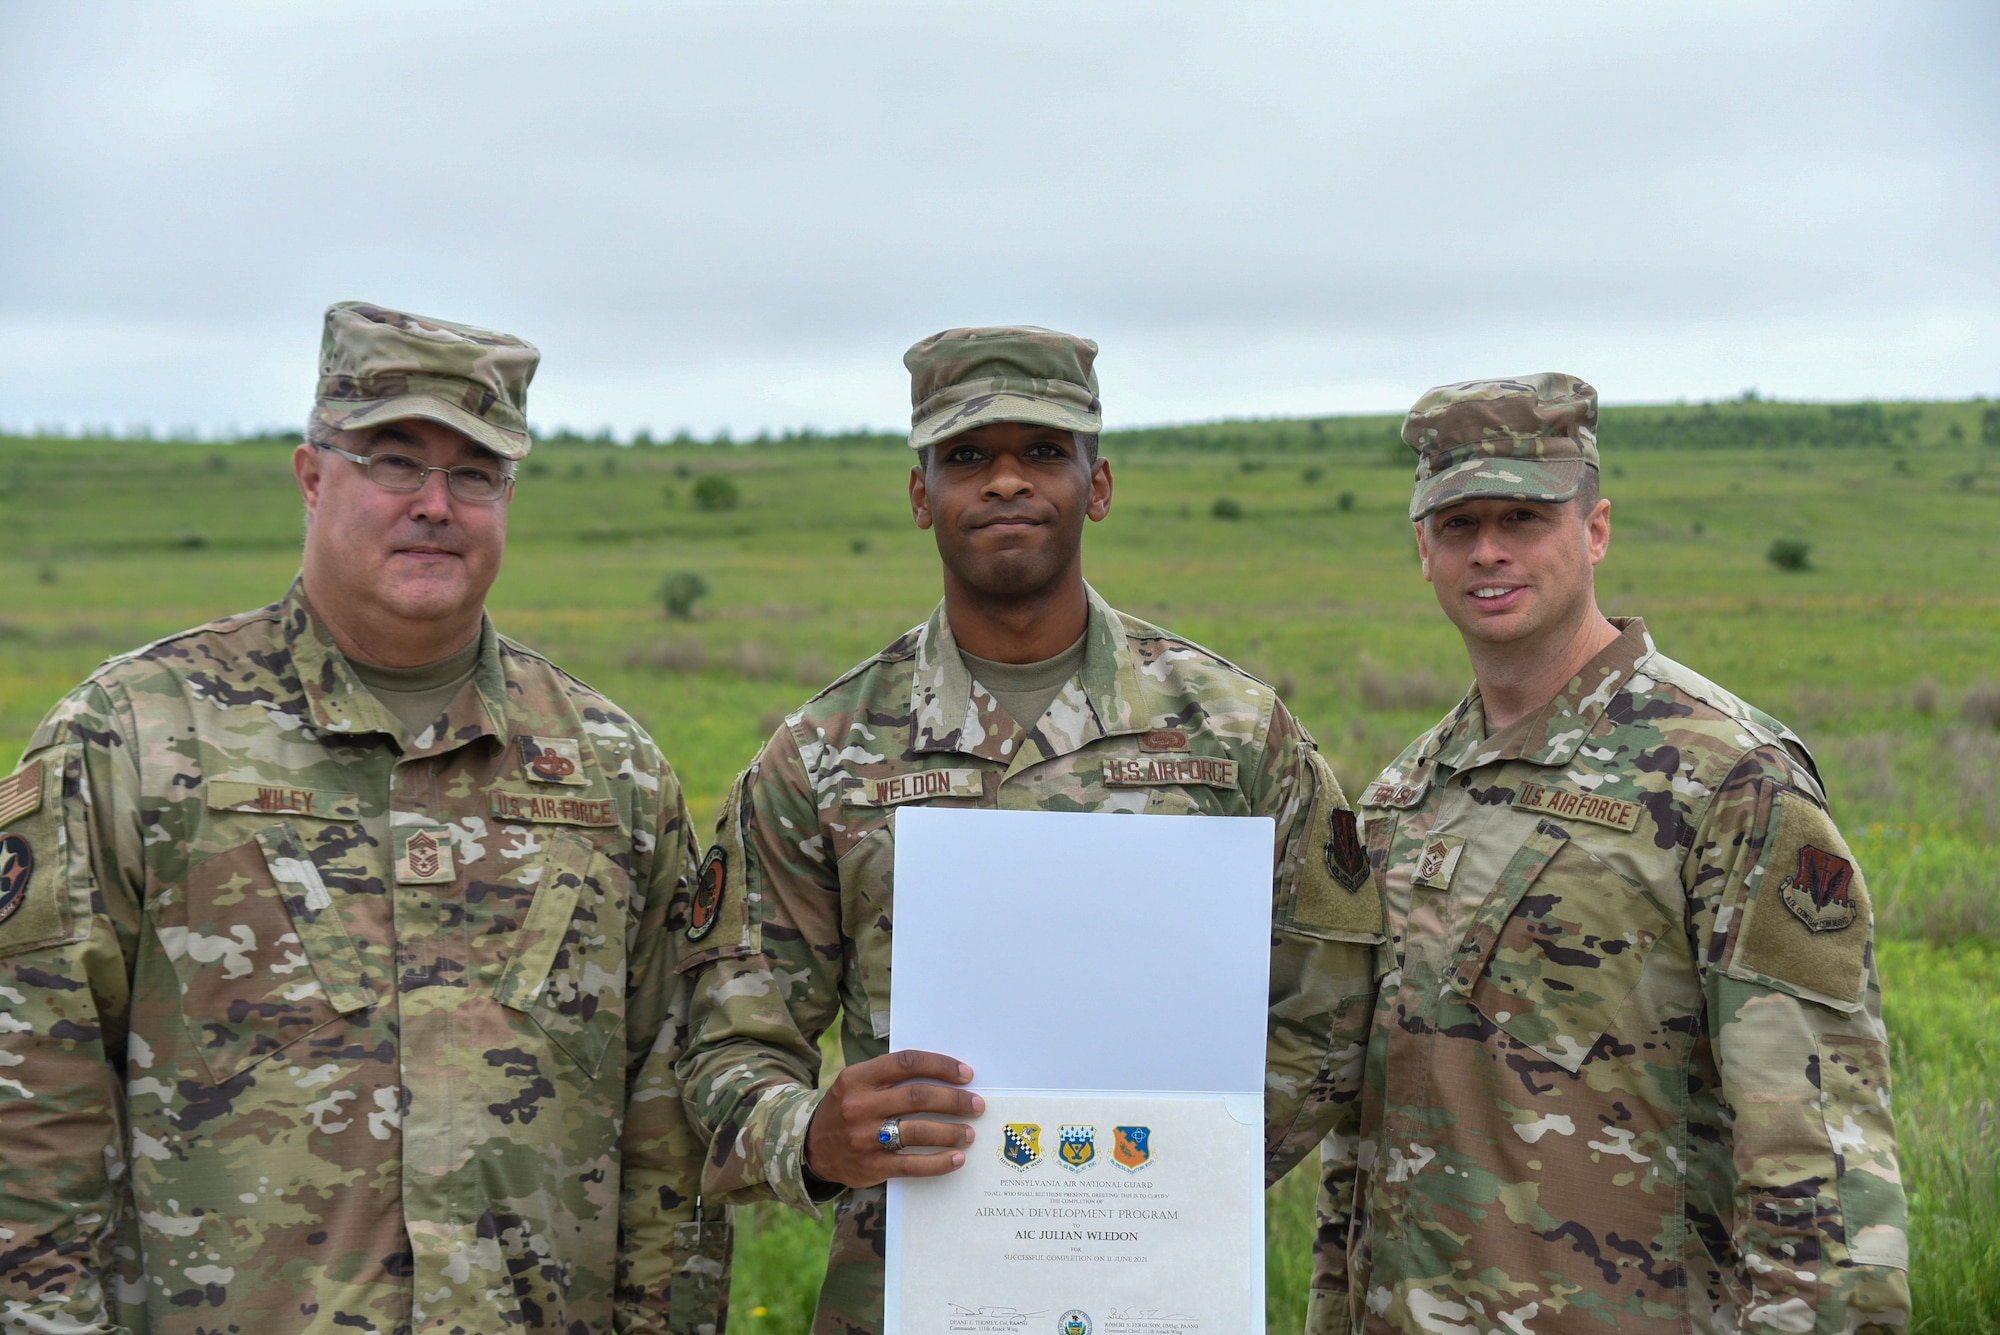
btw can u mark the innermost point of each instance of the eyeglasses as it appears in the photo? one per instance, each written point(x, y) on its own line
point(398, 472)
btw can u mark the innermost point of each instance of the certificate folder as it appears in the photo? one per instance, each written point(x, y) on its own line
point(1107, 977)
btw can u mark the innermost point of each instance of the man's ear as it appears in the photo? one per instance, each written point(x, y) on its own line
point(306, 463)
point(1597, 530)
point(1100, 490)
point(920, 498)
point(1424, 547)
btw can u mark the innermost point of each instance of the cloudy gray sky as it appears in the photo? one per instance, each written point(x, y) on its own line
point(738, 214)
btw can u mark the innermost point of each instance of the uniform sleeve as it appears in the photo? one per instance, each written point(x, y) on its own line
point(71, 885)
point(762, 952)
point(1811, 1196)
point(1328, 918)
point(664, 1270)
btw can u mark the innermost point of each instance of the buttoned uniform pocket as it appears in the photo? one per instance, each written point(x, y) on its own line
point(259, 950)
point(1556, 948)
point(566, 970)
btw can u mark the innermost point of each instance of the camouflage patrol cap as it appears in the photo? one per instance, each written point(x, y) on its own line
point(378, 365)
point(963, 378)
point(1527, 438)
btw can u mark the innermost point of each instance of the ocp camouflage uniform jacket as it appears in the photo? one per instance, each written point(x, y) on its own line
point(791, 924)
point(1628, 1068)
point(309, 1025)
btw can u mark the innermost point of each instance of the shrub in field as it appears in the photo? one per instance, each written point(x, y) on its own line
point(1312, 475)
point(1982, 704)
point(680, 591)
point(751, 662)
point(1924, 696)
point(1790, 554)
point(1226, 507)
point(1347, 500)
point(716, 491)
point(683, 656)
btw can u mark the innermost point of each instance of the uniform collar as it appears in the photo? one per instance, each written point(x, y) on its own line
point(1551, 734)
point(337, 702)
point(1105, 697)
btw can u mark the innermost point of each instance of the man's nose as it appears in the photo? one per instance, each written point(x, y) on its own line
point(1007, 479)
point(432, 500)
point(1487, 549)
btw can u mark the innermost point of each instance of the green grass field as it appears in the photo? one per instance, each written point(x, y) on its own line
point(1884, 653)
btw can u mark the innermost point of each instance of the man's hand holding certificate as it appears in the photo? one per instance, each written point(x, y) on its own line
point(858, 1132)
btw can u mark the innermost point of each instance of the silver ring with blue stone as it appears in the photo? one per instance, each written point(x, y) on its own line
point(890, 1137)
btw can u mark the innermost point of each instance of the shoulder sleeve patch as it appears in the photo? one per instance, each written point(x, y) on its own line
point(35, 835)
point(715, 918)
point(1335, 895)
point(1806, 916)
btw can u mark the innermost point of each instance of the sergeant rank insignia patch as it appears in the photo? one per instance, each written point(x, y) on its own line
point(1076, 1146)
point(1132, 1147)
point(1437, 860)
point(17, 864)
point(423, 858)
point(1817, 891)
point(1021, 1144)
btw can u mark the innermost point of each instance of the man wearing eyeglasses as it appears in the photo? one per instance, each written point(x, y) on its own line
point(334, 987)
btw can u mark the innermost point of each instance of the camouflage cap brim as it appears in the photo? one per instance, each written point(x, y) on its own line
point(980, 406)
point(1505, 478)
point(347, 415)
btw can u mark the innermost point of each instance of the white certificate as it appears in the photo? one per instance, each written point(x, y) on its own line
point(1106, 976)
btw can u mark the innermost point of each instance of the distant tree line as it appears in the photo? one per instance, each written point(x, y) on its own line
point(1747, 422)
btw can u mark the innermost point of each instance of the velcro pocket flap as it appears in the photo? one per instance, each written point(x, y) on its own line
point(1483, 933)
point(1557, 947)
point(549, 914)
point(315, 917)
point(568, 969)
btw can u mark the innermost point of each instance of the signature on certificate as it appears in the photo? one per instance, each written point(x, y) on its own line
point(1012, 1316)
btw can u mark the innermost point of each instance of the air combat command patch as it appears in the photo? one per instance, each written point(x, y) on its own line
point(1346, 856)
point(1817, 890)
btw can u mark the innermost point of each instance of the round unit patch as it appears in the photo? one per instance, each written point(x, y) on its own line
point(17, 864)
point(705, 908)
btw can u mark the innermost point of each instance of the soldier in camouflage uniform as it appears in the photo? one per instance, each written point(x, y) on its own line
point(332, 999)
point(1628, 1068)
point(1024, 690)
